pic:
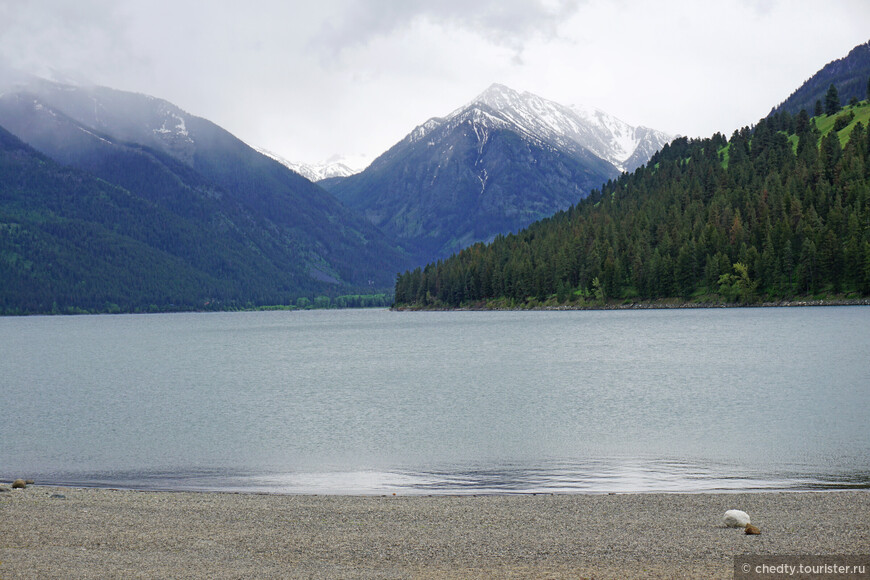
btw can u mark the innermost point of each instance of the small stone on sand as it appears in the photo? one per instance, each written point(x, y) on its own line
point(736, 519)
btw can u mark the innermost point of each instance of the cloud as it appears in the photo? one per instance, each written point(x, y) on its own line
point(50, 37)
point(508, 23)
point(311, 79)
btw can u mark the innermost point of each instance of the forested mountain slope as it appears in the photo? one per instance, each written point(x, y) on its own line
point(257, 232)
point(70, 242)
point(849, 75)
point(773, 213)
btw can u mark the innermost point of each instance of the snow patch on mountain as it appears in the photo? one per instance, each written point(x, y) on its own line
point(179, 127)
point(92, 134)
point(422, 130)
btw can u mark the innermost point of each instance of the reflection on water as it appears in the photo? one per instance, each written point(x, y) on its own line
point(629, 476)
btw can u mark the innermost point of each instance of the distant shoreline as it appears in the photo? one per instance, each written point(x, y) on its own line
point(645, 305)
point(52, 532)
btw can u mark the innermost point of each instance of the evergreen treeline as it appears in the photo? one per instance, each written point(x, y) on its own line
point(773, 213)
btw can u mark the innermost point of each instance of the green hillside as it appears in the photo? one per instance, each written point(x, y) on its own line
point(780, 212)
point(845, 120)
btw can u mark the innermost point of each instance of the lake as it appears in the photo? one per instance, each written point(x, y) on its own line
point(374, 401)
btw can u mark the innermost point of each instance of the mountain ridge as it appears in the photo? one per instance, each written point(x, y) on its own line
point(849, 74)
point(488, 168)
point(305, 242)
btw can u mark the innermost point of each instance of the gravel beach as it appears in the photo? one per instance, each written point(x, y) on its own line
point(48, 532)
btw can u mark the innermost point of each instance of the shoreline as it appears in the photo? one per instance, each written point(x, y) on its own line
point(54, 532)
point(647, 305)
point(374, 482)
point(357, 489)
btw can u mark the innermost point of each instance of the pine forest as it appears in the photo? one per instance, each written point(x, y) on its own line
point(778, 212)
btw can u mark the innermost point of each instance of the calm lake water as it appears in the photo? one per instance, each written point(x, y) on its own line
point(373, 401)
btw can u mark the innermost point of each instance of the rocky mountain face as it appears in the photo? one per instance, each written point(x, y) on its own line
point(607, 137)
point(503, 161)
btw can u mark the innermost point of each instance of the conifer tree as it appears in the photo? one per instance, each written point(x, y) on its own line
point(832, 101)
point(819, 111)
point(802, 124)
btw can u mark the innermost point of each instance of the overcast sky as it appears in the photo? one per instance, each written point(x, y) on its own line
point(311, 80)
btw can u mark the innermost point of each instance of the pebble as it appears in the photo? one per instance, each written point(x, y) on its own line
point(736, 519)
point(19, 484)
point(213, 535)
point(752, 530)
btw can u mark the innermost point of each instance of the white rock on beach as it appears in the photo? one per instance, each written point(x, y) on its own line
point(736, 519)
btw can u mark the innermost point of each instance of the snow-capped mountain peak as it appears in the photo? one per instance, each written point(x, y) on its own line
point(491, 167)
point(312, 171)
point(500, 97)
point(606, 136)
